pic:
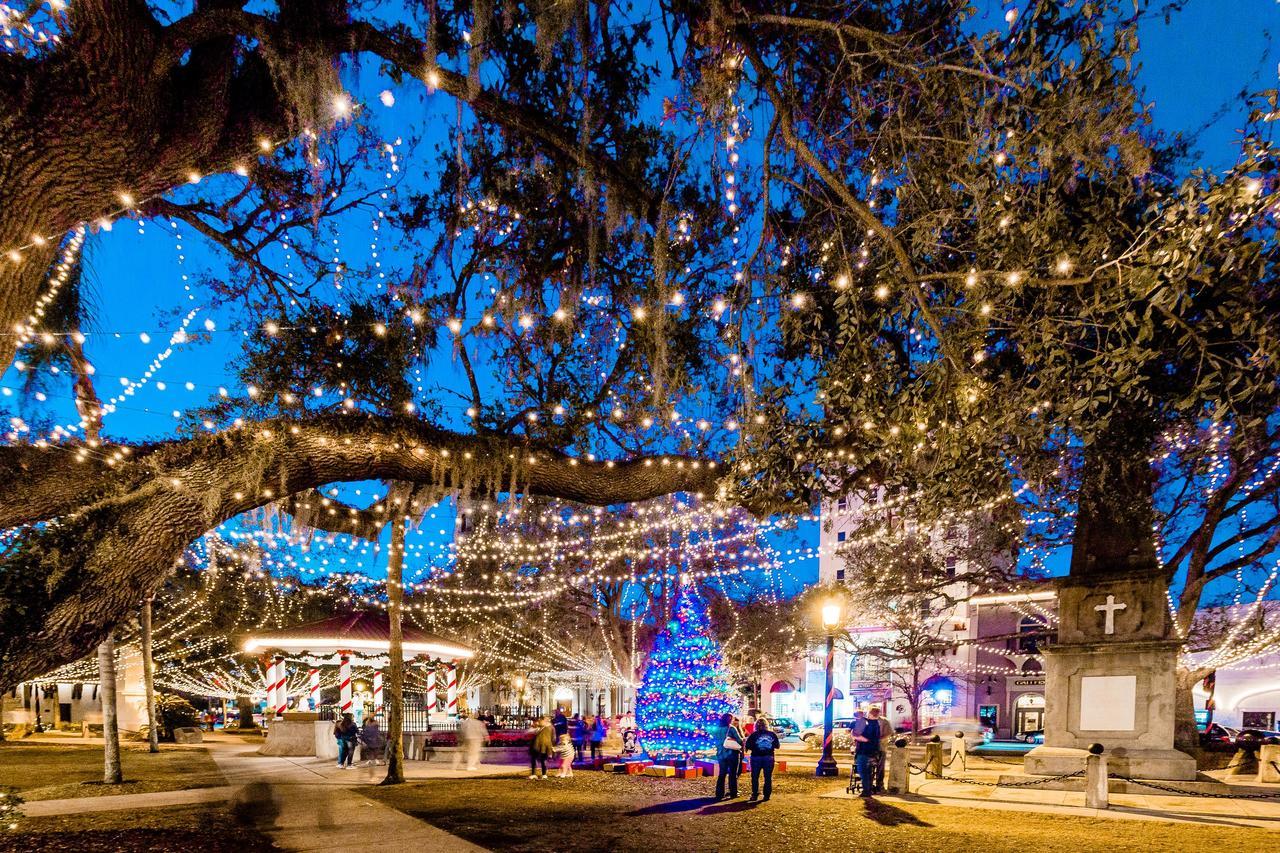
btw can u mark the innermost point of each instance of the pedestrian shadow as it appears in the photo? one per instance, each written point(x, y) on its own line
point(732, 806)
point(672, 806)
point(887, 815)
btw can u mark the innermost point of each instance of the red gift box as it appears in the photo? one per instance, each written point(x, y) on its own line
point(688, 773)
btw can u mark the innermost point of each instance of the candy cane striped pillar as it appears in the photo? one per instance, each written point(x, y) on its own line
point(344, 684)
point(269, 681)
point(453, 691)
point(313, 677)
point(377, 691)
point(431, 691)
point(282, 688)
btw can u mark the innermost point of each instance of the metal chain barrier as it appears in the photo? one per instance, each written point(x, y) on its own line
point(998, 784)
point(1184, 792)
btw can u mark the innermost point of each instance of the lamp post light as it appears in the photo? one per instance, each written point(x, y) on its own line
point(830, 621)
point(519, 683)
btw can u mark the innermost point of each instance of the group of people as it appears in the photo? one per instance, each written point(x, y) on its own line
point(369, 737)
point(762, 743)
point(565, 738)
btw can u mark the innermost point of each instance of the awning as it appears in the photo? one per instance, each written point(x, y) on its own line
point(363, 634)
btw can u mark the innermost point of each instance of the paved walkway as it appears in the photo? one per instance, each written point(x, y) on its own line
point(1212, 811)
point(304, 804)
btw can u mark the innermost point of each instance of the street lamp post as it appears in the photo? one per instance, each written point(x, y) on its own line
point(830, 621)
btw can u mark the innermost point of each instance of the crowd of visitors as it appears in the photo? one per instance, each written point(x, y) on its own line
point(577, 738)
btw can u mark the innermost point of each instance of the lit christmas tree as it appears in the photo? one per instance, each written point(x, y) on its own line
point(685, 689)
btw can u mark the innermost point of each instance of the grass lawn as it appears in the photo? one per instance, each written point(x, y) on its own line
point(597, 811)
point(205, 828)
point(42, 771)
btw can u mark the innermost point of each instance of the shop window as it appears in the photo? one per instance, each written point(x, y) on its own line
point(839, 574)
point(1032, 630)
point(1258, 720)
point(842, 504)
point(1032, 666)
point(951, 567)
point(840, 536)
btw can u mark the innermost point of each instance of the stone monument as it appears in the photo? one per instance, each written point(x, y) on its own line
point(1109, 678)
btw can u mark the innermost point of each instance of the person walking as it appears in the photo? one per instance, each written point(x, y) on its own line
point(560, 723)
point(728, 740)
point(346, 732)
point(596, 732)
point(472, 734)
point(577, 734)
point(373, 743)
point(762, 743)
point(540, 749)
point(866, 749)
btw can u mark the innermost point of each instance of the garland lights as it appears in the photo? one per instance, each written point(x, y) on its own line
point(685, 687)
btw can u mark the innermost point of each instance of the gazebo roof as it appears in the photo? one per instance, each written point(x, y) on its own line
point(364, 634)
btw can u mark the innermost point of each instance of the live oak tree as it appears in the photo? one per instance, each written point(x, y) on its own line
point(967, 260)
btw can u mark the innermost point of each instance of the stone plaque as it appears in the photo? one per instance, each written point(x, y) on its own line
point(1108, 703)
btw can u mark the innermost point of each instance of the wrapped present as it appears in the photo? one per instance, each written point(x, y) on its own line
point(635, 768)
point(688, 772)
point(659, 770)
point(780, 766)
point(615, 767)
point(708, 768)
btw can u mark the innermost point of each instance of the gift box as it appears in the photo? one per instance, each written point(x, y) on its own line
point(615, 767)
point(659, 770)
point(634, 768)
point(688, 772)
point(780, 766)
point(708, 768)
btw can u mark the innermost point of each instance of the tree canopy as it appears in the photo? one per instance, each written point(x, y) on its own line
point(755, 253)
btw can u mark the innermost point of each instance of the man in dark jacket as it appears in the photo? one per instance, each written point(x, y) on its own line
point(866, 749)
point(762, 744)
point(560, 723)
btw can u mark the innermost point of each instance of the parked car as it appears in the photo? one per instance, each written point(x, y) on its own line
point(1218, 737)
point(974, 731)
point(1253, 737)
point(841, 737)
point(1033, 736)
point(785, 726)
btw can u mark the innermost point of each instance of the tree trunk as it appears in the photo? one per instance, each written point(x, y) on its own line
point(394, 687)
point(1115, 507)
point(1186, 736)
point(148, 677)
point(244, 705)
point(2, 692)
point(111, 773)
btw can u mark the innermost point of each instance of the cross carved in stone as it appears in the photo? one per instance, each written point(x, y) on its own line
point(1110, 608)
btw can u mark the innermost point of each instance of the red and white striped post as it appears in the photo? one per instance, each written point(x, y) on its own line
point(344, 683)
point(431, 691)
point(453, 690)
point(282, 688)
point(313, 680)
point(377, 691)
point(269, 681)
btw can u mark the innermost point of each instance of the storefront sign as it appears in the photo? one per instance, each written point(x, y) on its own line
point(1028, 682)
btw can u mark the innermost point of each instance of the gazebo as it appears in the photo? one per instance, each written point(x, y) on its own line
point(336, 641)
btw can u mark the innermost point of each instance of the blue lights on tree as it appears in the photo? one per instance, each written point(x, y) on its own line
point(685, 688)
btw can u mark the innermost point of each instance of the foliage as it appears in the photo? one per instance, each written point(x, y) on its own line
point(174, 712)
point(685, 689)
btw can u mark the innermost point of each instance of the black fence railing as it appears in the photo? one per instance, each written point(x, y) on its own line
point(416, 718)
